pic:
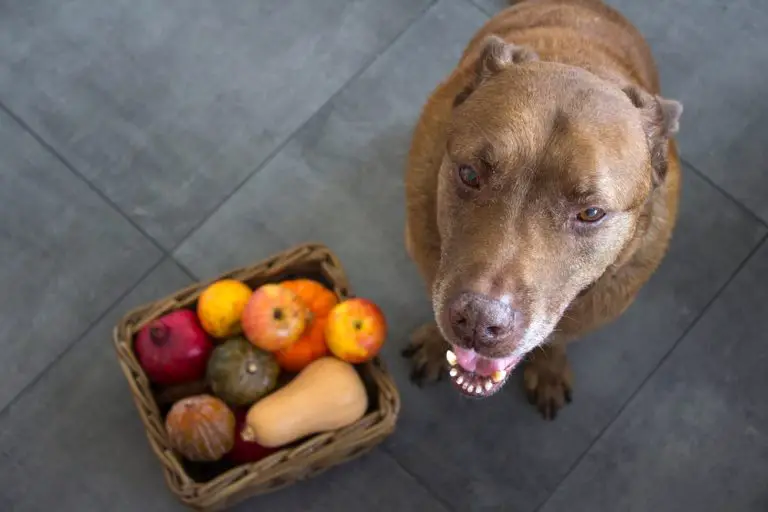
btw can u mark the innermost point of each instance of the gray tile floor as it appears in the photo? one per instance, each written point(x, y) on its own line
point(144, 144)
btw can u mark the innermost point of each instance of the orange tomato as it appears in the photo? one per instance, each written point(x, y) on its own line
point(311, 346)
point(319, 299)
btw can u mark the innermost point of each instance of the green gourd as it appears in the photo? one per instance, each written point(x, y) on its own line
point(240, 373)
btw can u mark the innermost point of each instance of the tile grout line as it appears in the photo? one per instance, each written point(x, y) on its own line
point(741, 206)
point(271, 156)
point(183, 268)
point(654, 370)
point(482, 9)
point(58, 156)
point(79, 175)
point(78, 338)
point(418, 480)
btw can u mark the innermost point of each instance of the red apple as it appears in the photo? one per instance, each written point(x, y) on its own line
point(355, 330)
point(274, 317)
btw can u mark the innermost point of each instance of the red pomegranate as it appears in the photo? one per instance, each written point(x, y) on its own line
point(174, 349)
point(245, 451)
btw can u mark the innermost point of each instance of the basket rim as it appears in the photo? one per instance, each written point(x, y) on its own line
point(377, 424)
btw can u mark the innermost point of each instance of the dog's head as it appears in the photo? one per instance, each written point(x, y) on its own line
point(547, 173)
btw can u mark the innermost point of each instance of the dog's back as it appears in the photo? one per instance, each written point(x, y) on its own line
point(583, 33)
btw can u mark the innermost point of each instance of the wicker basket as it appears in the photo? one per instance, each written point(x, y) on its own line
point(220, 485)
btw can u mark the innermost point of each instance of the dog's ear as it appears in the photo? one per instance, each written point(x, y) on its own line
point(495, 56)
point(661, 120)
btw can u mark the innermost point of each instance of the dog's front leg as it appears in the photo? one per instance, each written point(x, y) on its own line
point(548, 379)
point(427, 354)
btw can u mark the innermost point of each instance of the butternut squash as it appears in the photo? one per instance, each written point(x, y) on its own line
point(328, 394)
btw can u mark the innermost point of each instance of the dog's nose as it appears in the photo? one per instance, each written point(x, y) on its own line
point(479, 319)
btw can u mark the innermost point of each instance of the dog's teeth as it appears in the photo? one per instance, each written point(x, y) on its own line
point(488, 385)
point(499, 375)
point(460, 380)
point(454, 372)
point(479, 390)
point(451, 358)
point(471, 389)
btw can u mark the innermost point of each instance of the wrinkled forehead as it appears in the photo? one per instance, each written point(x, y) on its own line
point(565, 128)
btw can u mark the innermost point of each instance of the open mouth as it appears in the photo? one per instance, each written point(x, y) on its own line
point(477, 376)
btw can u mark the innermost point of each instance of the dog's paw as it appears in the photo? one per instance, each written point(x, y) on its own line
point(548, 380)
point(427, 354)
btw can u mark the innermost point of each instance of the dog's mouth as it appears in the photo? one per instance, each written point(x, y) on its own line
point(478, 376)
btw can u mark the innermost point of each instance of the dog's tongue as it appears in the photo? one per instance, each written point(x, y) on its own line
point(471, 361)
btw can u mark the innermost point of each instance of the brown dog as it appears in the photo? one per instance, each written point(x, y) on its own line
point(542, 190)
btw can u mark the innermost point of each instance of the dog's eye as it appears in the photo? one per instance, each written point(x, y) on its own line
point(591, 214)
point(469, 176)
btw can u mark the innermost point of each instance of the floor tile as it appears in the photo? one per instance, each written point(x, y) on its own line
point(373, 483)
point(74, 440)
point(696, 436)
point(66, 256)
point(80, 415)
point(339, 182)
point(491, 7)
point(723, 124)
point(167, 105)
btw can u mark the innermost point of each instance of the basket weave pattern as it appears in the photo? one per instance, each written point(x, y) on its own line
point(287, 466)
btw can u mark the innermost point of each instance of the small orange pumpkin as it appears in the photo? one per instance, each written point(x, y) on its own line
point(201, 428)
point(319, 299)
point(311, 346)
